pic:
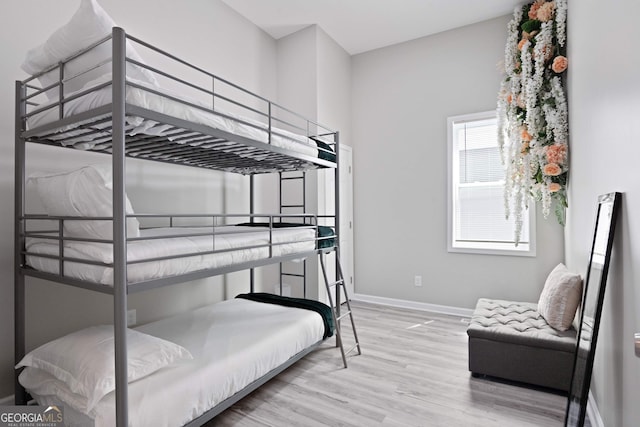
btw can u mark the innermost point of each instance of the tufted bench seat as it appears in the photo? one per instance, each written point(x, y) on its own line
point(511, 340)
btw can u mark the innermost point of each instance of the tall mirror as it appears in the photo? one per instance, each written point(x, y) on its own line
point(591, 309)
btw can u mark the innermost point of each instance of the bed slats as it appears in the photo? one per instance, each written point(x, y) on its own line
point(210, 150)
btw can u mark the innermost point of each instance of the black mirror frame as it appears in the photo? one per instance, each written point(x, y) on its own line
point(581, 376)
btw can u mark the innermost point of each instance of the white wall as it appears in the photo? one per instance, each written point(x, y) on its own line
point(604, 106)
point(334, 86)
point(401, 98)
point(204, 32)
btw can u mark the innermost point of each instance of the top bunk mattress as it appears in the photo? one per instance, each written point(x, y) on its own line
point(201, 121)
point(169, 104)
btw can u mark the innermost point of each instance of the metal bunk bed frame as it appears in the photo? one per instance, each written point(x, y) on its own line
point(274, 159)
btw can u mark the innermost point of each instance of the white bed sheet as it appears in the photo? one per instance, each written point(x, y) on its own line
point(161, 104)
point(233, 343)
point(286, 241)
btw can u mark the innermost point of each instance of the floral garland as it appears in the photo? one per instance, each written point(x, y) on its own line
point(532, 110)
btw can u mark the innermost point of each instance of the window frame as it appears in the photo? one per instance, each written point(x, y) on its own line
point(485, 248)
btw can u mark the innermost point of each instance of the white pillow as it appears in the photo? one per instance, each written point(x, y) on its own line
point(86, 192)
point(560, 298)
point(42, 383)
point(89, 24)
point(84, 360)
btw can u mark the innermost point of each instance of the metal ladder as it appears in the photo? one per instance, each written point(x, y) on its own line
point(291, 176)
point(338, 284)
point(335, 308)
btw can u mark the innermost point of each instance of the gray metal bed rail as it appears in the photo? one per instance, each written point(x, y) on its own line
point(199, 144)
point(216, 226)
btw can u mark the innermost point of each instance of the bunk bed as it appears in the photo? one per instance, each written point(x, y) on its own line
point(125, 112)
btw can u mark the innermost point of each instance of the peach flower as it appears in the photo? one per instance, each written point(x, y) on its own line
point(546, 11)
point(533, 11)
point(509, 98)
point(521, 44)
point(551, 169)
point(520, 101)
point(524, 148)
point(554, 187)
point(559, 64)
point(526, 136)
point(556, 153)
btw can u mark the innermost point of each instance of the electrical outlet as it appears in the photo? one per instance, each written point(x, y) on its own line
point(417, 281)
point(131, 317)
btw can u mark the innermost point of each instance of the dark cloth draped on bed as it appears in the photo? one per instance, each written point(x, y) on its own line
point(322, 309)
point(325, 234)
point(325, 151)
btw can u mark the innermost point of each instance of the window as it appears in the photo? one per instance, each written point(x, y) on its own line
point(476, 219)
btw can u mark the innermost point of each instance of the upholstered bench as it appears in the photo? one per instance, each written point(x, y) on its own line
point(511, 340)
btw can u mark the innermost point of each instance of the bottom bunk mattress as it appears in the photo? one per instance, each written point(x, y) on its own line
point(179, 250)
point(233, 343)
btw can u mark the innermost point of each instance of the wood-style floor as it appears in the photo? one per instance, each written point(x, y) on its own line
point(412, 372)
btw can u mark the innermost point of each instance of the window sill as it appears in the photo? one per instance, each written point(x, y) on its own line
point(504, 249)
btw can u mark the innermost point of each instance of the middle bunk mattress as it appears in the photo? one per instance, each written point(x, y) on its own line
point(170, 251)
point(77, 239)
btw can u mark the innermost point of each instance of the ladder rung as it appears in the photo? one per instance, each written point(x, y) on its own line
point(337, 282)
point(292, 206)
point(344, 315)
point(293, 274)
point(352, 348)
point(285, 178)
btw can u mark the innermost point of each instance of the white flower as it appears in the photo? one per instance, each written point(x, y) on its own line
point(501, 113)
point(532, 96)
point(511, 52)
point(561, 128)
point(561, 21)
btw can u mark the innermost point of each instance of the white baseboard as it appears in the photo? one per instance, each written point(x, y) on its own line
point(592, 412)
point(434, 308)
point(7, 401)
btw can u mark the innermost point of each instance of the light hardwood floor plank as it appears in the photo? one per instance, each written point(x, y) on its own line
point(413, 372)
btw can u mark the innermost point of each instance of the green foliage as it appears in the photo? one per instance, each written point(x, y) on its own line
point(531, 25)
point(560, 211)
point(539, 177)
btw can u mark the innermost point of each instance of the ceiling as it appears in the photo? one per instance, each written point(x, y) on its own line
point(362, 25)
